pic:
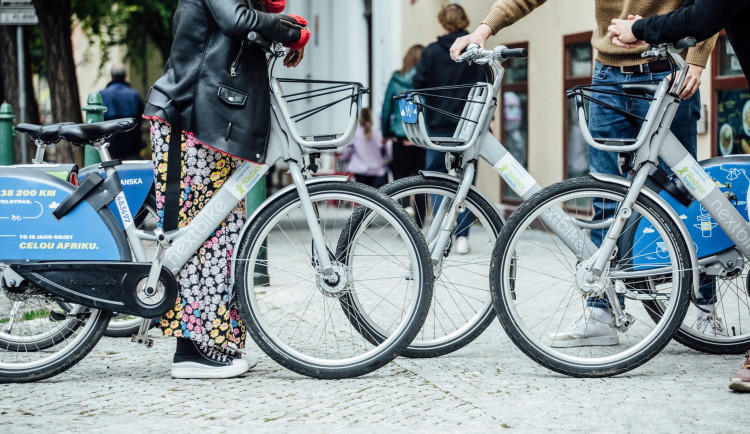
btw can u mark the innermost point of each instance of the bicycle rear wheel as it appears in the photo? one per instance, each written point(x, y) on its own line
point(461, 307)
point(44, 339)
point(299, 316)
point(536, 294)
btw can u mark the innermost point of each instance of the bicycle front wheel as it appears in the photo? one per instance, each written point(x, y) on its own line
point(461, 307)
point(540, 302)
point(299, 314)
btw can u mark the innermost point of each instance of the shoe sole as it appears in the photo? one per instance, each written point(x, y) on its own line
point(601, 341)
point(738, 385)
point(191, 370)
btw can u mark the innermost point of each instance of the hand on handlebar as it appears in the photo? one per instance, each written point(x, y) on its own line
point(692, 81)
point(294, 57)
point(479, 37)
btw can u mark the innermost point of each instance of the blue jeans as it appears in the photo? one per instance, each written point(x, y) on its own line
point(435, 162)
point(606, 123)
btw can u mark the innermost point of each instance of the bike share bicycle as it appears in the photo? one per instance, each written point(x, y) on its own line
point(137, 178)
point(546, 272)
point(462, 306)
point(301, 236)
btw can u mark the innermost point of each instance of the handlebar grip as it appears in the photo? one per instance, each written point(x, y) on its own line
point(261, 41)
point(686, 42)
point(518, 53)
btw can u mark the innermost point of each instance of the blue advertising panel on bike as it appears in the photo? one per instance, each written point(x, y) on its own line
point(732, 175)
point(29, 230)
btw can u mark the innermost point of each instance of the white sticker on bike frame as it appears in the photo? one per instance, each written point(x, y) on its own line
point(124, 209)
point(694, 177)
point(247, 175)
point(514, 174)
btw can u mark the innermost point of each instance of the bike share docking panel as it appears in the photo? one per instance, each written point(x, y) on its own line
point(29, 231)
point(137, 179)
point(732, 176)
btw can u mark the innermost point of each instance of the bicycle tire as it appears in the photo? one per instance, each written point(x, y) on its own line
point(733, 306)
point(525, 239)
point(461, 309)
point(273, 314)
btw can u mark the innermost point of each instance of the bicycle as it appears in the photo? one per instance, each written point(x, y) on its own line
point(299, 236)
point(547, 271)
point(462, 305)
point(137, 178)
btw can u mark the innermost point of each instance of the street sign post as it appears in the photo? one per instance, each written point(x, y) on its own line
point(17, 12)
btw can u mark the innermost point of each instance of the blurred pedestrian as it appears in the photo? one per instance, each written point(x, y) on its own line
point(408, 159)
point(197, 145)
point(437, 69)
point(122, 101)
point(367, 156)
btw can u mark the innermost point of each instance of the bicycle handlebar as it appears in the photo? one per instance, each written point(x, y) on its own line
point(261, 41)
point(501, 53)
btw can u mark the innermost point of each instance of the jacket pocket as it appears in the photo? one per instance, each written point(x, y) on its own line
point(231, 96)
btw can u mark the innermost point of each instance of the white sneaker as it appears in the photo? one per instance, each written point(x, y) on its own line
point(194, 360)
point(462, 245)
point(586, 331)
point(710, 324)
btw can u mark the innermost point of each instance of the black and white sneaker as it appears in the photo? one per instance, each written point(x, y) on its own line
point(194, 360)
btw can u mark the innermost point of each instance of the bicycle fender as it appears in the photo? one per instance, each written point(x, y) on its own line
point(30, 232)
point(453, 179)
point(271, 199)
point(672, 214)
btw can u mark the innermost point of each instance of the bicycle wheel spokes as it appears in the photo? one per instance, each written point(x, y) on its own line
point(540, 299)
point(341, 320)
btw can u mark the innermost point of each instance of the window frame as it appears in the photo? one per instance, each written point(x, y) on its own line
point(718, 84)
point(514, 87)
point(569, 82)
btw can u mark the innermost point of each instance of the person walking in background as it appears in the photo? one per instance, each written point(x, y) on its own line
point(437, 69)
point(366, 156)
point(613, 66)
point(122, 101)
point(408, 159)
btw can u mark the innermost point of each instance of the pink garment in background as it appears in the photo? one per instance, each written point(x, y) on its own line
point(367, 157)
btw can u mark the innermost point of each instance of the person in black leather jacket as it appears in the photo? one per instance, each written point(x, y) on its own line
point(210, 109)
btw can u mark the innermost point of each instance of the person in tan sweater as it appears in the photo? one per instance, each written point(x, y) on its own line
point(614, 66)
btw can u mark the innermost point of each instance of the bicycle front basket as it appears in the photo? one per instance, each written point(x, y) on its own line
point(474, 119)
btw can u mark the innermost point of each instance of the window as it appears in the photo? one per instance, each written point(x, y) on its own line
point(730, 101)
point(514, 114)
point(578, 66)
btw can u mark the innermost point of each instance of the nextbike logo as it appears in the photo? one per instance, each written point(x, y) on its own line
point(91, 282)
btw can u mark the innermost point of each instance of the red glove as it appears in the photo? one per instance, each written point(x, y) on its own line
point(304, 37)
point(273, 6)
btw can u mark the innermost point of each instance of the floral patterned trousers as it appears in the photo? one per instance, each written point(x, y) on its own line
point(203, 311)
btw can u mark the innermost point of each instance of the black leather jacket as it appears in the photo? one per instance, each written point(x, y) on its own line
point(215, 81)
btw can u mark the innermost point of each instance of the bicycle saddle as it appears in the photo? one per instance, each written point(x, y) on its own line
point(44, 133)
point(84, 134)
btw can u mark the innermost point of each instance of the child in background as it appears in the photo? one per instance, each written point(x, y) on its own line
point(366, 156)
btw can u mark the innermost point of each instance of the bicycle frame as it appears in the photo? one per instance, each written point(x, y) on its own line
point(473, 129)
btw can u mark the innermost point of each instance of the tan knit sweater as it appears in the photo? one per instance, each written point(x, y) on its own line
point(506, 12)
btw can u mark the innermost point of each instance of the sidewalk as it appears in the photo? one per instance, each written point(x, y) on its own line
point(487, 386)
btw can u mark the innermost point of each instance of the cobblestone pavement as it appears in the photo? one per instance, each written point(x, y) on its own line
point(489, 385)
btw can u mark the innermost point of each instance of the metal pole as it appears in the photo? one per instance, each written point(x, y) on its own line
point(6, 134)
point(21, 89)
point(94, 110)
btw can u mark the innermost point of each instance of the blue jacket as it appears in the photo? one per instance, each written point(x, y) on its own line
point(122, 101)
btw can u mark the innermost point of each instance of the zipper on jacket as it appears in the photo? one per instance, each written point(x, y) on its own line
point(235, 64)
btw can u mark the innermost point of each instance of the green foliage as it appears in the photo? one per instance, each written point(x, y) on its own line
point(131, 23)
